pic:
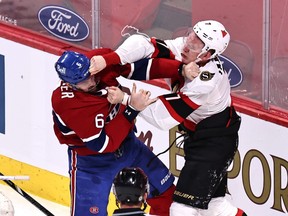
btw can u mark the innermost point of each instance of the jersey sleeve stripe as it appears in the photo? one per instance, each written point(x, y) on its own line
point(141, 70)
point(104, 145)
point(61, 125)
point(188, 101)
point(148, 69)
point(91, 138)
point(98, 142)
point(161, 49)
point(177, 105)
point(131, 72)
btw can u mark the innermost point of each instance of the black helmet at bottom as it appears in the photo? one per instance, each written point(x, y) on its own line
point(130, 185)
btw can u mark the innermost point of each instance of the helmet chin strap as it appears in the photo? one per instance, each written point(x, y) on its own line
point(198, 59)
point(204, 50)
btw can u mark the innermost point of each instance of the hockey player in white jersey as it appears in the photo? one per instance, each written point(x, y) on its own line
point(203, 109)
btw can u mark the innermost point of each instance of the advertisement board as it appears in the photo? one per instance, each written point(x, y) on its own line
point(257, 177)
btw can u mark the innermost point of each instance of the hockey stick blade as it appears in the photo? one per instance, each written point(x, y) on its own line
point(28, 197)
point(14, 178)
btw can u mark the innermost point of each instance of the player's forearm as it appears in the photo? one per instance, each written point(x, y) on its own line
point(112, 58)
point(148, 69)
point(134, 48)
point(118, 129)
point(165, 68)
point(157, 115)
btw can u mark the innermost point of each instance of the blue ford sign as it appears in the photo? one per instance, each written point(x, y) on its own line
point(2, 95)
point(234, 72)
point(63, 23)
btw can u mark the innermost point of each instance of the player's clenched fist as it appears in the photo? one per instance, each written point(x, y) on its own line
point(97, 63)
point(191, 70)
point(115, 95)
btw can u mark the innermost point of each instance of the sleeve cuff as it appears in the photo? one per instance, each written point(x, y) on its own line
point(130, 113)
point(126, 99)
point(112, 58)
point(180, 68)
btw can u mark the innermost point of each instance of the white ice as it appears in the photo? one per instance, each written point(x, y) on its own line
point(22, 207)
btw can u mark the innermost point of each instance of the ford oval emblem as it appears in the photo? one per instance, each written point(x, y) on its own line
point(234, 72)
point(63, 23)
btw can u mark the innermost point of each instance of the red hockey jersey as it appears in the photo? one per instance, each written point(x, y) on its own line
point(89, 123)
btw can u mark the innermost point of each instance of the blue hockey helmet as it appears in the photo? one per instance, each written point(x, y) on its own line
point(73, 67)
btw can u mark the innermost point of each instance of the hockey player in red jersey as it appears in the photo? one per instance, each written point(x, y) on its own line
point(202, 108)
point(100, 136)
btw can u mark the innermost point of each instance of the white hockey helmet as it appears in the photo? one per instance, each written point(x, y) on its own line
point(214, 35)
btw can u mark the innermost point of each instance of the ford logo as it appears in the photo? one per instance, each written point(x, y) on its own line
point(63, 23)
point(234, 72)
